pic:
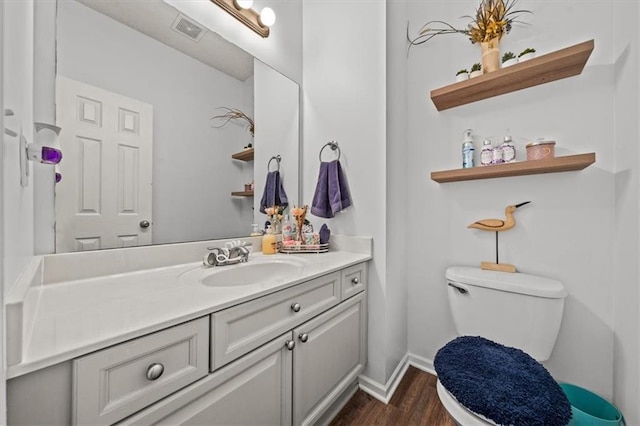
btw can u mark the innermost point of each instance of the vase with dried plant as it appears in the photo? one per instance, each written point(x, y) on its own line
point(492, 20)
point(233, 114)
point(299, 213)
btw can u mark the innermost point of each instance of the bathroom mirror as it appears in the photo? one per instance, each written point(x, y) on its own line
point(159, 78)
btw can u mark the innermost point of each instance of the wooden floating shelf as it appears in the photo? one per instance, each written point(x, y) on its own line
point(543, 69)
point(244, 155)
point(533, 167)
point(242, 194)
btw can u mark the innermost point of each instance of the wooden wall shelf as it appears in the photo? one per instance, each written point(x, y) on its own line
point(521, 168)
point(244, 155)
point(543, 69)
point(242, 194)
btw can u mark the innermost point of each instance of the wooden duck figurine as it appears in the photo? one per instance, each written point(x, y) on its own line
point(498, 224)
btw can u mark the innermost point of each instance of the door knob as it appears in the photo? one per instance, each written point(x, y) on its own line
point(144, 224)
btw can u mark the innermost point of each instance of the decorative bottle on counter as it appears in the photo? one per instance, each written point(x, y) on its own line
point(486, 154)
point(288, 229)
point(269, 242)
point(508, 150)
point(467, 150)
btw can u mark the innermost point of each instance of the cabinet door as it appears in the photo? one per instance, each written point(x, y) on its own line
point(253, 390)
point(330, 352)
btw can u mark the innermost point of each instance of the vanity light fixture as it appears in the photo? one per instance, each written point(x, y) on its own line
point(242, 11)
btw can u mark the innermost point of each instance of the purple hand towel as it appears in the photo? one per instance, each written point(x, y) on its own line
point(332, 192)
point(339, 195)
point(274, 194)
point(320, 205)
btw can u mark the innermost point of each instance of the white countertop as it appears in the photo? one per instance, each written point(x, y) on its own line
point(71, 318)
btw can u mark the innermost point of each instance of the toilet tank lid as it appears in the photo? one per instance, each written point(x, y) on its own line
point(516, 282)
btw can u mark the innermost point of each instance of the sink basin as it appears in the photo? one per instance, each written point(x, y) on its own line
point(255, 271)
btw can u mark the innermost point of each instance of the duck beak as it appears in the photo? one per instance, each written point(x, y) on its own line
point(521, 204)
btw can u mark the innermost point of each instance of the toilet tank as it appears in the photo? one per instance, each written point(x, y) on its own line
point(514, 309)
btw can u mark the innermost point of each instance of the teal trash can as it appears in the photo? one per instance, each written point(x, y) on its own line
point(589, 409)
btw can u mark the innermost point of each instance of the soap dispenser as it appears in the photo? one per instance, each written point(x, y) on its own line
point(467, 150)
point(269, 242)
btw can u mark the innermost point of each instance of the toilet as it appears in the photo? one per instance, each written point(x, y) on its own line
point(516, 310)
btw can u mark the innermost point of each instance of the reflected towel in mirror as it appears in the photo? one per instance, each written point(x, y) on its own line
point(274, 194)
point(332, 191)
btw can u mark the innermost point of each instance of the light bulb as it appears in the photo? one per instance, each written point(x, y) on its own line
point(267, 17)
point(244, 4)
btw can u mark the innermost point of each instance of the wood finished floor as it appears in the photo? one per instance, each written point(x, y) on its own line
point(415, 402)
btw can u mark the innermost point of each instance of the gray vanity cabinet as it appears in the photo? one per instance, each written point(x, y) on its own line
point(254, 390)
point(300, 373)
point(283, 358)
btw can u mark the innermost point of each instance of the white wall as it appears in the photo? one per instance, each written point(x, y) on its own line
point(16, 231)
point(18, 96)
point(282, 50)
point(277, 106)
point(397, 226)
point(626, 346)
point(344, 99)
point(3, 367)
point(193, 174)
point(567, 231)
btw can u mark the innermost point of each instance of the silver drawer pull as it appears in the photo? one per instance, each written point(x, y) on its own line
point(154, 371)
point(295, 307)
point(303, 337)
point(290, 344)
point(355, 281)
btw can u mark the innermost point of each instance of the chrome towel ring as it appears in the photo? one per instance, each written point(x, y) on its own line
point(333, 145)
point(277, 158)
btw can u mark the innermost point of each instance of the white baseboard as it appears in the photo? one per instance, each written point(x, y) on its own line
point(421, 363)
point(384, 392)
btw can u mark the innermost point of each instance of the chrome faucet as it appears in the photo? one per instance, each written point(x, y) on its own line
point(222, 256)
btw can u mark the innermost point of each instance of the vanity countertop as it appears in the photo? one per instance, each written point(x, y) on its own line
point(71, 318)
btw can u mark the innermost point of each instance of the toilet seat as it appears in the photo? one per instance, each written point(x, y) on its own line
point(458, 412)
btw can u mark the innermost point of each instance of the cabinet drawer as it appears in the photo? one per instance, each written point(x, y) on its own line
point(240, 329)
point(354, 280)
point(115, 382)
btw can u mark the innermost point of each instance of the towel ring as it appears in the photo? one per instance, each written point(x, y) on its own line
point(333, 145)
point(275, 157)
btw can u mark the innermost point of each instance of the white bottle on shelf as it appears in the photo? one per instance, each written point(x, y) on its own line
point(486, 154)
point(508, 150)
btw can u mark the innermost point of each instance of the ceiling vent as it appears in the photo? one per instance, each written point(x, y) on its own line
point(188, 28)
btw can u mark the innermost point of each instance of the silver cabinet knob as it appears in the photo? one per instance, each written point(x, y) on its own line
point(290, 344)
point(144, 224)
point(295, 307)
point(355, 281)
point(303, 337)
point(154, 371)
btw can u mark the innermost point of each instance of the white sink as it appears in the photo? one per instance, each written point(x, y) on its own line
point(259, 270)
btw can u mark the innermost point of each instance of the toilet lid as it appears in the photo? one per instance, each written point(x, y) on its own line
point(503, 384)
